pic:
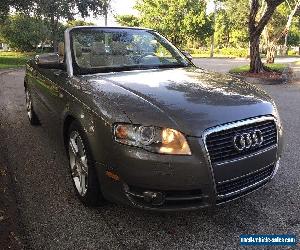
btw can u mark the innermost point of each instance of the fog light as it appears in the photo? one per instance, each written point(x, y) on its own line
point(155, 198)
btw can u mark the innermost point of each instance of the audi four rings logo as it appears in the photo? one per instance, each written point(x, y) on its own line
point(248, 140)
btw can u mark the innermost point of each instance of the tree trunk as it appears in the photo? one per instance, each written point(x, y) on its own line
point(105, 15)
point(54, 31)
point(256, 64)
point(255, 30)
point(212, 45)
point(271, 53)
point(212, 39)
point(285, 50)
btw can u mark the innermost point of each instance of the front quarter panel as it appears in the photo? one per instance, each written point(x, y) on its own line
point(95, 116)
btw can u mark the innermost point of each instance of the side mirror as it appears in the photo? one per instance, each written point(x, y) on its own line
point(187, 55)
point(49, 61)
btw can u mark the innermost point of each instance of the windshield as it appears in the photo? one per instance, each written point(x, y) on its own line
point(106, 50)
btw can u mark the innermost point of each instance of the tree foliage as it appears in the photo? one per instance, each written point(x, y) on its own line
point(54, 11)
point(24, 32)
point(128, 20)
point(278, 28)
point(78, 22)
point(179, 20)
point(16, 4)
point(37, 31)
point(231, 24)
point(293, 38)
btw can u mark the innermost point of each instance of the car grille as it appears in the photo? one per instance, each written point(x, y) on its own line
point(220, 144)
point(245, 182)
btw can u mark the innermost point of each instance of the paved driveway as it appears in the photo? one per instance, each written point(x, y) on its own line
point(52, 218)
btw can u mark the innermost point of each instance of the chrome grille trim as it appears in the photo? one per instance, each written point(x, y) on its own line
point(238, 124)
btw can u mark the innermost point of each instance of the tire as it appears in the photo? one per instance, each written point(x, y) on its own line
point(33, 118)
point(82, 169)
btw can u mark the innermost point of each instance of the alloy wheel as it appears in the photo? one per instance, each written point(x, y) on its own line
point(28, 105)
point(78, 163)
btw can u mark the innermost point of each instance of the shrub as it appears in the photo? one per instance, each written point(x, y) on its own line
point(233, 52)
point(292, 53)
point(238, 52)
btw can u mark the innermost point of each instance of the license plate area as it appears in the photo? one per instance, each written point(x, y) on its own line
point(243, 166)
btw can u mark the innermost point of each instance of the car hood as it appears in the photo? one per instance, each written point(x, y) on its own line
point(188, 99)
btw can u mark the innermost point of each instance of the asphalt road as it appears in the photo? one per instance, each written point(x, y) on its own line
point(50, 216)
point(225, 64)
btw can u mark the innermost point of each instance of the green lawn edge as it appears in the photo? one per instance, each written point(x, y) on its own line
point(278, 67)
point(11, 59)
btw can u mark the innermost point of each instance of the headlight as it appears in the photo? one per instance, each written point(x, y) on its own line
point(154, 139)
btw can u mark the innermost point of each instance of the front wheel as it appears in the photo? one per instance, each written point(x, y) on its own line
point(82, 168)
point(33, 118)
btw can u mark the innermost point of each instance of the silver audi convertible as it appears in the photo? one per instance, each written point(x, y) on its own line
point(143, 126)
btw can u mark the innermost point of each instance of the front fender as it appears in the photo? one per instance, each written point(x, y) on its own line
point(98, 130)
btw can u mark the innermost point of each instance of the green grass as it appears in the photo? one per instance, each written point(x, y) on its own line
point(245, 68)
point(13, 59)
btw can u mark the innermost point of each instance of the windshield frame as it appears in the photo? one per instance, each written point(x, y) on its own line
point(83, 71)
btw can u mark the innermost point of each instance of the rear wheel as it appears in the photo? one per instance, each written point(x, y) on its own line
point(82, 168)
point(33, 118)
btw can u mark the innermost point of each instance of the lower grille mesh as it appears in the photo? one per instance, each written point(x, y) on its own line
point(244, 182)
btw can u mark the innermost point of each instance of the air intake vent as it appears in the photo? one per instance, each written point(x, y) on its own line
point(244, 182)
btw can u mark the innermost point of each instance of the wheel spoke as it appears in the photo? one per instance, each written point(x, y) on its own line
point(74, 171)
point(80, 147)
point(84, 168)
point(73, 147)
point(83, 160)
point(82, 180)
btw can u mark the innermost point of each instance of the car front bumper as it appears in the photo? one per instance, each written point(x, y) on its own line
point(171, 183)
